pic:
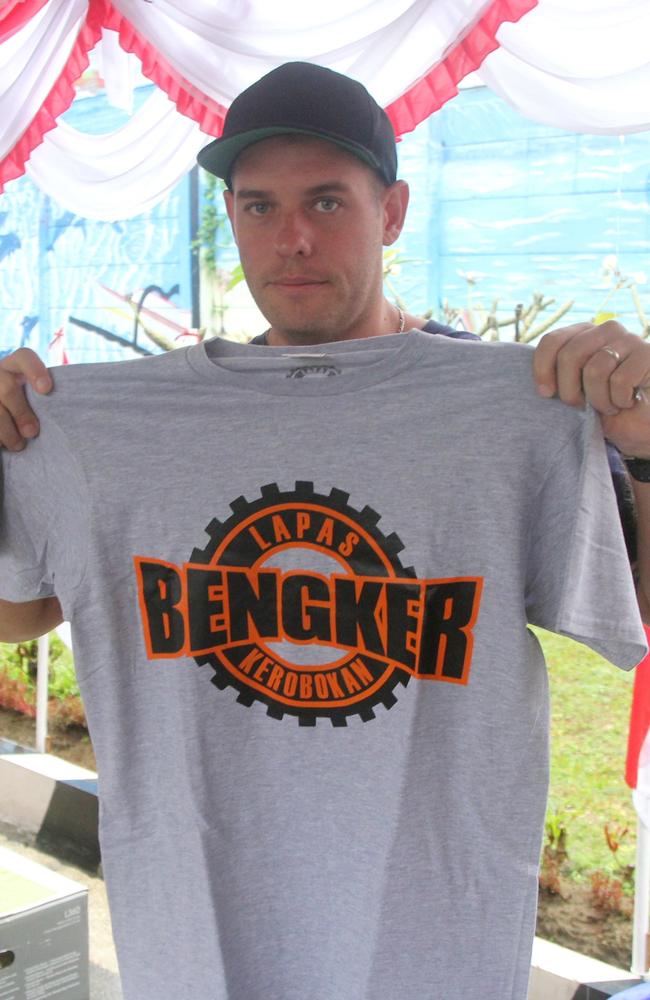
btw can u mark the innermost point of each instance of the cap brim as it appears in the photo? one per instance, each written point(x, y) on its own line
point(219, 155)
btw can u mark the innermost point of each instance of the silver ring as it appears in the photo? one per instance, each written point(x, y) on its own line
point(639, 395)
point(613, 353)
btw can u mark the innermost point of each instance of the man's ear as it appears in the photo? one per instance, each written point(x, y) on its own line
point(395, 202)
point(229, 199)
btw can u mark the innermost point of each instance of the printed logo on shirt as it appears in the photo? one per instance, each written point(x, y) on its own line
point(297, 576)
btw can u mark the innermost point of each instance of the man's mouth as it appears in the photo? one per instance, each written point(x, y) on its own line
point(302, 282)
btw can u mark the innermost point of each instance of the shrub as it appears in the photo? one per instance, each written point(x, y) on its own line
point(18, 682)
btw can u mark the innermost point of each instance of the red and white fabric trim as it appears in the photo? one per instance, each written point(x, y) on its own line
point(637, 768)
point(576, 64)
point(409, 53)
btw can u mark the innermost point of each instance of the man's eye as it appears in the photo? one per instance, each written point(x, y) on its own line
point(258, 208)
point(327, 205)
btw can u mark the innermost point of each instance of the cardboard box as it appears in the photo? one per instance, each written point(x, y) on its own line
point(43, 932)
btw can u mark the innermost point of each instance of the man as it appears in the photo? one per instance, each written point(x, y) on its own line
point(605, 365)
point(319, 718)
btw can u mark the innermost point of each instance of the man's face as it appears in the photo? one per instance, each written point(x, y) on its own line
point(310, 221)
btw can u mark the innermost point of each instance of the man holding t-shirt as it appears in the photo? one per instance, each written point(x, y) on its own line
point(319, 717)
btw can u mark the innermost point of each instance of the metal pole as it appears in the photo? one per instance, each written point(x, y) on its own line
point(641, 901)
point(195, 222)
point(42, 670)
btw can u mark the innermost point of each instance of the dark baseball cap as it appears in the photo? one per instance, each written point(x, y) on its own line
point(305, 99)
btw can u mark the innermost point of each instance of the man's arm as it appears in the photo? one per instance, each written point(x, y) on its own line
point(609, 368)
point(18, 421)
point(28, 620)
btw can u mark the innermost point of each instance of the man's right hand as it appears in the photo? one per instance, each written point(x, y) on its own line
point(18, 421)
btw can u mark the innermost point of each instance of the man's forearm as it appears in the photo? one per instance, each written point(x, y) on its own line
point(28, 620)
point(642, 502)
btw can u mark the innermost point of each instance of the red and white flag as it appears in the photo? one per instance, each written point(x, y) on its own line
point(637, 767)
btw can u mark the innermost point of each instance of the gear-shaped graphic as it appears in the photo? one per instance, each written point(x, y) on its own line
point(245, 540)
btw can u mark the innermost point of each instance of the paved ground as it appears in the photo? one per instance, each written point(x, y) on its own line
point(59, 857)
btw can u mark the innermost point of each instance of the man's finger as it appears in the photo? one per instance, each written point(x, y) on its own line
point(18, 421)
point(29, 368)
point(633, 373)
point(10, 437)
point(15, 410)
point(602, 384)
point(546, 355)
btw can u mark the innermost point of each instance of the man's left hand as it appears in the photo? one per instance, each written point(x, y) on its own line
point(606, 366)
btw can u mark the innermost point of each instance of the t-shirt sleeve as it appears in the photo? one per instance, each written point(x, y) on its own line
point(24, 526)
point(578, 580)
point(44, 519)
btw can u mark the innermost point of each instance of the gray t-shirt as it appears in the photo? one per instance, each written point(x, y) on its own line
point(299, 590)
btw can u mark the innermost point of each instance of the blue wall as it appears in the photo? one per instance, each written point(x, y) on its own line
point(51, 261)
point(523, 207)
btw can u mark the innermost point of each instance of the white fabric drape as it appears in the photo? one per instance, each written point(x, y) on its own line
point(582, 65)
point(223, 47)
point(118, 174)
point(118, 71)
point(575, 64)
point(30, 62)
point(202, 54)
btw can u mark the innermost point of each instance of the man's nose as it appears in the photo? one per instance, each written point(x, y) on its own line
point(293, 237)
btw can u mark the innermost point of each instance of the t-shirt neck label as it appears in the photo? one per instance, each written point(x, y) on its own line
point(344, 367)
point(323, 369)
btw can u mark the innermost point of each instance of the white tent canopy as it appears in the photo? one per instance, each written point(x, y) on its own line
point(576, 64)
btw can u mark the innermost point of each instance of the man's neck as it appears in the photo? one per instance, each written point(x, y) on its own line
point(392, 320)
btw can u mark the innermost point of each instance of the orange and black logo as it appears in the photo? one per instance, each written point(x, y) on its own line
point(300, 601)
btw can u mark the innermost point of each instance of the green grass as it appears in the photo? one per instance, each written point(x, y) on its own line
point(590, 708)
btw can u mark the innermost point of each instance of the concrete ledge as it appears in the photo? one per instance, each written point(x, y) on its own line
point(46, 795)
point(8, 746)
point(561, 974)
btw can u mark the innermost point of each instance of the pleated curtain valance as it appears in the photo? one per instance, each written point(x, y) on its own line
point(576, 64)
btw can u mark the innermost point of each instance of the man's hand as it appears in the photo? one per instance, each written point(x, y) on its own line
point(607, 366)
point(18, 422)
